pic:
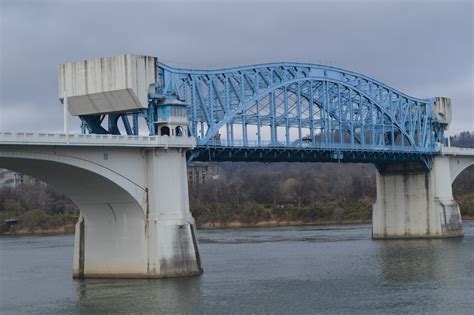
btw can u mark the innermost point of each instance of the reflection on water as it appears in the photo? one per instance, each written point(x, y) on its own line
point(410, 261)
point(269, 270)
point(141, 295)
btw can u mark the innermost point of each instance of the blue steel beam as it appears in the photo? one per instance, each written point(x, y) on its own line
point(296, 105)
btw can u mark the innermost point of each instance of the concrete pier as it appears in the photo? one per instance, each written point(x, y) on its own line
point(416, 204)
point(132, 195)
point(172, 243)
point(155, 242)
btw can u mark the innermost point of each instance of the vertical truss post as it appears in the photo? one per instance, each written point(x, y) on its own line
point(361, 120)
point(244, 128)
point(135, 124)
point(287, 118)
point(373, 123)
point(148, 114)
point(341, 128)
point(227, 129)
point(83, 127)
point(227, 109)
point(383, 129)
point(427, 114)
point(194, 105)
point(326, 112)
point(351, 109)
point(259, 124)
point(311, 113)
point(210, 95)
point(298, 105)
point(393, 135)
point(418, 122)
point(273, 114)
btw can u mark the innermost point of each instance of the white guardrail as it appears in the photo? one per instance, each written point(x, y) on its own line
point(457, 151)
point(60, 139)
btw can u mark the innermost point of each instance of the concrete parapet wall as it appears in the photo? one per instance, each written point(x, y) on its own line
point(90, 140)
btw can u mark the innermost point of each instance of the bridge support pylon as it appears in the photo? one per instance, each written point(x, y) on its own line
point(170, 228)
point(118, 238)
point(412, 203)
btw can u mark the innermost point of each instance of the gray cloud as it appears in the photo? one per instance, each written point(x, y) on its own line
point(423, 48)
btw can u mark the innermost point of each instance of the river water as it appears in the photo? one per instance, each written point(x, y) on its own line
point(290, 270)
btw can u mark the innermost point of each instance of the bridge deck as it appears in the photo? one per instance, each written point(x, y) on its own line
point(457, 151)
point(238, 152)
point(61, 139)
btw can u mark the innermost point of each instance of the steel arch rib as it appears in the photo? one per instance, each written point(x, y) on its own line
point(239, 87)
point(243, 105)
point(291, 64)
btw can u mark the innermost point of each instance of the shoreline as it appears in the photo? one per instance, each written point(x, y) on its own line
point(69, 229)
point(275, 223)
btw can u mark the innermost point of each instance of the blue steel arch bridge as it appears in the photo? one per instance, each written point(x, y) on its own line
point(291, 112)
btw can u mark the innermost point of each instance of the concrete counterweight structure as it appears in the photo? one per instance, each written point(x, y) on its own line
point(107, 85)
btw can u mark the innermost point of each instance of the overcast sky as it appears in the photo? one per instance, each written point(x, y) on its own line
point(422, 48)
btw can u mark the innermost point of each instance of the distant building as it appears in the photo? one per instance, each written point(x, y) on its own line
point(14, 179)
point(7, 178)
point(201, 172)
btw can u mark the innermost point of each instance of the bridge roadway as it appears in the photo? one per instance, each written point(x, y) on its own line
point(220, 151)
point(134, 209)
point(93, 140)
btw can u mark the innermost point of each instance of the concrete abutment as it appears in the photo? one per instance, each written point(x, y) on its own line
point(416, 204)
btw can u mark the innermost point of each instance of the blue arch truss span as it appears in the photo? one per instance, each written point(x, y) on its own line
point(296, 112)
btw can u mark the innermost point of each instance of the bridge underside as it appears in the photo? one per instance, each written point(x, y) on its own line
point(283, 154)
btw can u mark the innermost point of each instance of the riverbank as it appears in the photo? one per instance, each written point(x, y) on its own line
point(69, 229)
point(66, 229)
point(275, 223)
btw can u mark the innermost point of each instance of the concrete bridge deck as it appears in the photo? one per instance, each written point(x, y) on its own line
point(61, 139)
point(457, 151)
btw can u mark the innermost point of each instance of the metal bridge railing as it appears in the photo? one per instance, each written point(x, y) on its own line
point(263, 144)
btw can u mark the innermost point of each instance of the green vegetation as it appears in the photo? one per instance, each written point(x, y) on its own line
point(244, 193)
point(463, 190)
point(39, 209)
point(250, 193)
point(463, 186)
